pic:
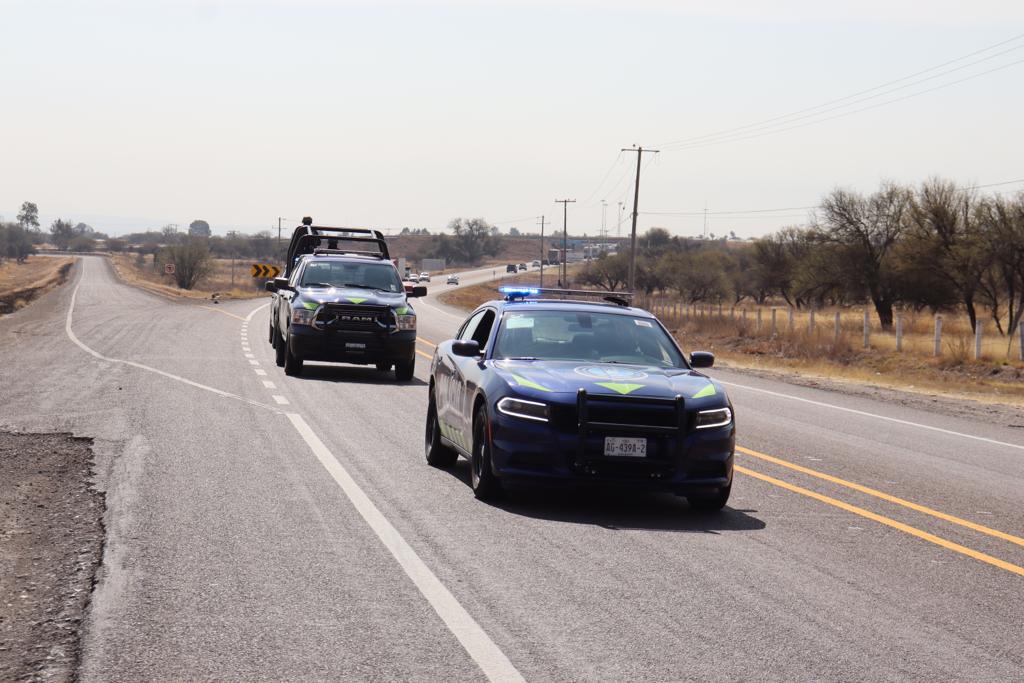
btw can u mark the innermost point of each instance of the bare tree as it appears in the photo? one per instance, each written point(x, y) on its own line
point(866, 230)
point(191, 261)
point(946, 239)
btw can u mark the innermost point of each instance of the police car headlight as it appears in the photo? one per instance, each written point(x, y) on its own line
point(406, 322)
point(527, 410)
point(302, 316)
point(718, 417)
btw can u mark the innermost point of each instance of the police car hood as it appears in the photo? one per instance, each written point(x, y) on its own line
point(351, 295)
point(542, 379)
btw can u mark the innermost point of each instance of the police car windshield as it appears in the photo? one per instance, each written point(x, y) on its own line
point(382, 276)
point(585, 336)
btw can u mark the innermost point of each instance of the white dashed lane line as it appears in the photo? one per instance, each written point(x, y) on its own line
point(260, 372)
point(281, 400)
point(268, 384)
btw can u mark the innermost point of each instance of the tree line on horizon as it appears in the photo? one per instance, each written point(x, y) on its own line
point(936, 246)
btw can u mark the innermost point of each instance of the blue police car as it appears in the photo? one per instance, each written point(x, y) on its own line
point(548, 387)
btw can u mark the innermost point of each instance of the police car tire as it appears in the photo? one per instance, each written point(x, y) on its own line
point(486, 485)
point(710, 502)
point(438, 455)
point(404, 369)
point(292, 364)
point(279, 349)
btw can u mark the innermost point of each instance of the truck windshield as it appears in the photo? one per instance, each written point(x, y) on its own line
point(580, 336)
point(381, 276)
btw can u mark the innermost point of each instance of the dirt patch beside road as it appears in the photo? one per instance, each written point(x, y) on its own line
point(20, 283)
point(51, 543)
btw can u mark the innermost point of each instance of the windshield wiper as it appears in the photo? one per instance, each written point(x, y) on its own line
point(358, 286)
point(520, 358)
point(316, 284)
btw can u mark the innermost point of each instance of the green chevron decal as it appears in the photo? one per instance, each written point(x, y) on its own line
point(311, 305)
point(355, 299)
point(620, 387)
point(523, 382)
point(709, 390)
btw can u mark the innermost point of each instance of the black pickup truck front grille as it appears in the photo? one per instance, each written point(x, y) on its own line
point(360, 318)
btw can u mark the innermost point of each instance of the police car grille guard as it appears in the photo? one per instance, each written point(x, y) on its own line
point(586, 426)
point(360, 318)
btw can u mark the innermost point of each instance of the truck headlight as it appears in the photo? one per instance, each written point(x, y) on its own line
point(406, 321)
point(717, 417)
point(527, 410)
point(302, 316)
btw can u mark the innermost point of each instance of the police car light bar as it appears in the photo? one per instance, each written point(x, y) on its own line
point(511, 293)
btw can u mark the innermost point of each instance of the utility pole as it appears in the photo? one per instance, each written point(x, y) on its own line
point(636, 207)
point(618, 227)
point(604, 220)
point(565, 237)
point(705, 220)
point(542, 251)
point(279, 219)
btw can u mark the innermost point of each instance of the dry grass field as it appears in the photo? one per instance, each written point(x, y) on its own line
point(735, 337)
point(229, 279)
point(20, 283)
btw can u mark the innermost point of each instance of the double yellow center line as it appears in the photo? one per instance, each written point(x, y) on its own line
point(868, 514)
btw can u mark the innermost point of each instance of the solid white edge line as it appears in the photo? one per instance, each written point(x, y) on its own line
point(488, 656)
point(874, 415)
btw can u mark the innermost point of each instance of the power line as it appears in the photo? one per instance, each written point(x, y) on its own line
point(728, 131)
point(604, 179)
point(738, 213)
point(725, 138)
point(849, 113)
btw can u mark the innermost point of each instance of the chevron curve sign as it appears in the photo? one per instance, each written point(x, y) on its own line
point(264, 270)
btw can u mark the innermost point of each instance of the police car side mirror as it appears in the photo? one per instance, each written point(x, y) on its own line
point(470, 348)
point(270, 286)
point(417, 292)
point(279, 283)
point(702, 359)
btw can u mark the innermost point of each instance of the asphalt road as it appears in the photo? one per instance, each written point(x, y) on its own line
point(263, 527)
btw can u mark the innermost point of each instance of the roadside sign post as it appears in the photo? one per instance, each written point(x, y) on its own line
point(168, 269)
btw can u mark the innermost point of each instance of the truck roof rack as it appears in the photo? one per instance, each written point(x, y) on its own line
point(311, 239)
point(513, 293)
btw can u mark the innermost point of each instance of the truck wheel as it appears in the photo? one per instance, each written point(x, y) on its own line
point(278, 349)
point(404, 369)
point(292, 364)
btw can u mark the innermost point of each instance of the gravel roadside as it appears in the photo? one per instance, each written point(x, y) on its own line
point(51, 544)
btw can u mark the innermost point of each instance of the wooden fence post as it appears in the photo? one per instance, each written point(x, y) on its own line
point(938, 336)
point(775, 329)
point(791, 320)
point(867, 329)
point(758, 318)
point(977, 340)
point(835, 340)
point(899, 331)
point(719, 309)
point(810, 323)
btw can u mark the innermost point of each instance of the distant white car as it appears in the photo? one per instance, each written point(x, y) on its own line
point(536, 264)
point(414, 277)
point(424, 277)
point(453, 279)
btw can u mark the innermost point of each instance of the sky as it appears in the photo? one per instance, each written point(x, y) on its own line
point(133, 115)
